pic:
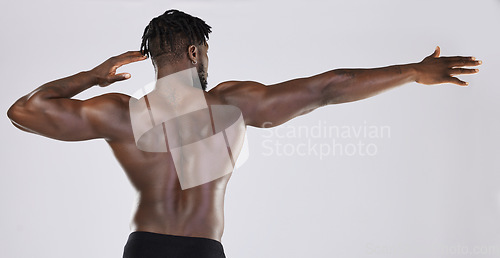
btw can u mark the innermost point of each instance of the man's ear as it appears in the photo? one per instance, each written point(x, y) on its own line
point(192, 52)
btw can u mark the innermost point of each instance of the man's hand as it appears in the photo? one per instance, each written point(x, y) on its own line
point(105, 73)
point(434, 69)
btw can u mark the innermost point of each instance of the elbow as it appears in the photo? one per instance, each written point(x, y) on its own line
point(22, 109)
point(10, 112)
point(331, 97)
point(18, 116)
point(13, 115)
point(17, 107)
point(23, 105)
point(333, 91)
point(13, 111)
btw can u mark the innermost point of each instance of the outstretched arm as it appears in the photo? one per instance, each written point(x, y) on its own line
point(268, 106)
point(50, 111)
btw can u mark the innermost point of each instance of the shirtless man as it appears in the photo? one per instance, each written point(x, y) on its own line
point(172, 221)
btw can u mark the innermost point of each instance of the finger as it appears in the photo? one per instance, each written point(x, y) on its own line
point(436, 53)
point(454, 58)
point(134, 54)
point(129, 57)
point(128, 54)
point(463, 71)
point(121, 77)
point(457, 81)
point(131, 53)
point(465, 62)
point(462, 60)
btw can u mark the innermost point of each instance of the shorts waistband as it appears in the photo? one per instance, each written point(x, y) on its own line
point(176, 240)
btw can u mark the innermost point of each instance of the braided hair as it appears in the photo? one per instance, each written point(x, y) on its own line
point(177, 31)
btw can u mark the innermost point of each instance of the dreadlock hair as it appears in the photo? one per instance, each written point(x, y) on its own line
point(177, 31)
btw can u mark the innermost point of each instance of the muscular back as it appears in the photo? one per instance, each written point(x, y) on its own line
point(162, 205)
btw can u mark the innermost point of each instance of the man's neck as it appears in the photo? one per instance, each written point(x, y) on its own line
point(165, 70)
point(174, 78)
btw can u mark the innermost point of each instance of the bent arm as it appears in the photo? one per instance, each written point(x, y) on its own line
point(49, 110)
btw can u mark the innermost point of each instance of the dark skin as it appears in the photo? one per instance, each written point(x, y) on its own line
point(163, 207)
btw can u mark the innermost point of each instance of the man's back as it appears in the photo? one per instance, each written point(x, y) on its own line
point(162, 205)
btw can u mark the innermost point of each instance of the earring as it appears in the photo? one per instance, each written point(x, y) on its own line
point(194, 62)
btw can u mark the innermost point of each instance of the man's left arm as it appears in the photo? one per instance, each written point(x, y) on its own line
point(50, 111)
point(271, 105)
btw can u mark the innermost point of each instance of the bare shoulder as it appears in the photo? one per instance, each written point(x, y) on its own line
point(109, 101)
point(118, 97)
point(242, 94)
point(238, 93)
point(107, 105)
point(109, 113)
point(229, 87)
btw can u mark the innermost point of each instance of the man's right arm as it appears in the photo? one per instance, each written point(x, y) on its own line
point(272, 105)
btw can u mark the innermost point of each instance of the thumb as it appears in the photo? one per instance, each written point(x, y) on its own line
point(436, 53)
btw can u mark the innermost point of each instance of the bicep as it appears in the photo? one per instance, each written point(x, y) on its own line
point(272, 105)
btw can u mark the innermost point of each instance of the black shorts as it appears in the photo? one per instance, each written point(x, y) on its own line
point(143, 244)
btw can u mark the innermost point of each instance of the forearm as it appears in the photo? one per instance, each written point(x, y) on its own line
point(346, 85)
point(66, 87)
point(33, 105)
point(62, 88)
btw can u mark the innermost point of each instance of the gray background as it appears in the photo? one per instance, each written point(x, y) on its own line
point(431, 190)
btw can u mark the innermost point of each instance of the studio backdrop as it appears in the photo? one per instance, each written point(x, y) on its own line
point(412, 172)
